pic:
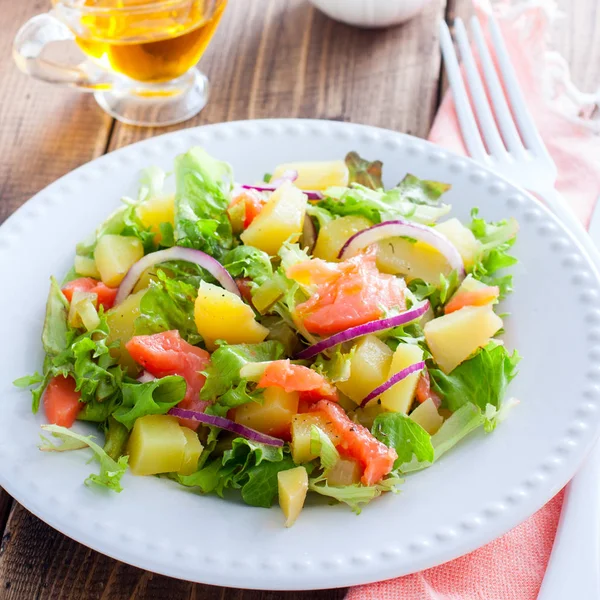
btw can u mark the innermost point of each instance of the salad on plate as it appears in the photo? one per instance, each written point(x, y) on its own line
point(313, 332)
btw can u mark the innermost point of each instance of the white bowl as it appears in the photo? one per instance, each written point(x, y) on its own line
point(371, 13)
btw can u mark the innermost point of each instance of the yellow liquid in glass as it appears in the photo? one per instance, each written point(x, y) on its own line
point(150, 42)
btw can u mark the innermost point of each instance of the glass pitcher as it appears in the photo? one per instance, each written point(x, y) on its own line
point(138, 57)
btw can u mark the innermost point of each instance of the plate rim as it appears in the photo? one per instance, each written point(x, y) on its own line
point(469, 538)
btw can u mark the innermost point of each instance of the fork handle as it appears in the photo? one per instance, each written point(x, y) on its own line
point(573, 569)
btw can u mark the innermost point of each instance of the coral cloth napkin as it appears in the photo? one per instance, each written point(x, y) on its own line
point(512, 567)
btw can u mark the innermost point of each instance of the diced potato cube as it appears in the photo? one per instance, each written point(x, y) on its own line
point(367, 415)
point(274, 416)
point(121, 324)
point(400, 396)
point(335, 234)
point(470, 284)
point(369, 368)
point(86, 267)
point(414, 260)
point(114, 255)
point(221, 315)
point(462, 238)
point(454, 337)
point(156, 211)
point(191, 452)
point(82, 310)
point(281, 219)
point(146, 278)
point(345, 472)
point(316, 175)
point(156, 445)
point(301, 425)
point(427, 416)
point(293, 486)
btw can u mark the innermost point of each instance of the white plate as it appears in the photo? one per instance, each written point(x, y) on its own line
point(480, 490)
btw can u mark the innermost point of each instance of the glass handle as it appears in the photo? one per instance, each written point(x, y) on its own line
point(45, 49)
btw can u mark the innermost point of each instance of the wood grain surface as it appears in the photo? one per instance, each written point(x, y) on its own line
point(269, 58)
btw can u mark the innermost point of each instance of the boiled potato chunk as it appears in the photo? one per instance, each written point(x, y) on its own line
point(462, 238)
point(414, 260)
point(427, 416)
point(114, 255)
point(316, 175)
point(292, 486)
point(221, 315)
point(335, 234)
point(301, 425)
point(156, 211)
point(86, 267)
point(121, 324)
point(369, 368)
point(274, 416)
point(470, 284)
point(191, 452)
point(156, 445)
point(400, 396)
point(281, 219)
point(345, 472)
point(454, 337)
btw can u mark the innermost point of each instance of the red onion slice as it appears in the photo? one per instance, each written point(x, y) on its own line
point(401, 228)
point(273, 185)
point(399, 376)
point(213, 266)
point(289, 175)
point(223, 423)
point(360, 330)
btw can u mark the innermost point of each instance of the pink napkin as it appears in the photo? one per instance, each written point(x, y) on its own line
point(512, 567)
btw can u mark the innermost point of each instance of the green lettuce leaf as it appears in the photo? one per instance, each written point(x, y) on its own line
point(223, 374)
point(151, 398)
point(322, 446)
point(337, 368)
point(418, 191)
point(496, 239)
point(115, 438)
point(437, 295)
point(111, 471)
point(54, 334)
point(356, 495)
point(248, 466)
point(481, 380)
point(408, 438)
point(364, 172)
point(168, 304)
point(203, 189)
point(465, 420)
point(247, 261)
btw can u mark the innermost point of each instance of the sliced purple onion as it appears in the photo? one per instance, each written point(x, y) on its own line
point(270, 187)
point(365, 329)
point(401, 228)
point(146, 377)
point(399, 376)
point(213, 266)
point(229, 425)
point(287, 175)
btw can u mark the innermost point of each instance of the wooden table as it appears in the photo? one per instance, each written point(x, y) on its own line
point(270, 58)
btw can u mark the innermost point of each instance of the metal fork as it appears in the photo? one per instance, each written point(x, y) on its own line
point(504, 138)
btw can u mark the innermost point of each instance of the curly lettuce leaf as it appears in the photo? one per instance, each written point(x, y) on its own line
point(481, 380)
point(168, 304)
point(54, 333)
point(363, 171)
point(496, 240)
point(203, 190)
point(356, 495)
point(407, 437)
point(322, 446)
point(115, 438)
point(248, 466)
point(151, 398)
point(111, 471)
point(247, 261)
point(437, 295)
point(337, 368)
